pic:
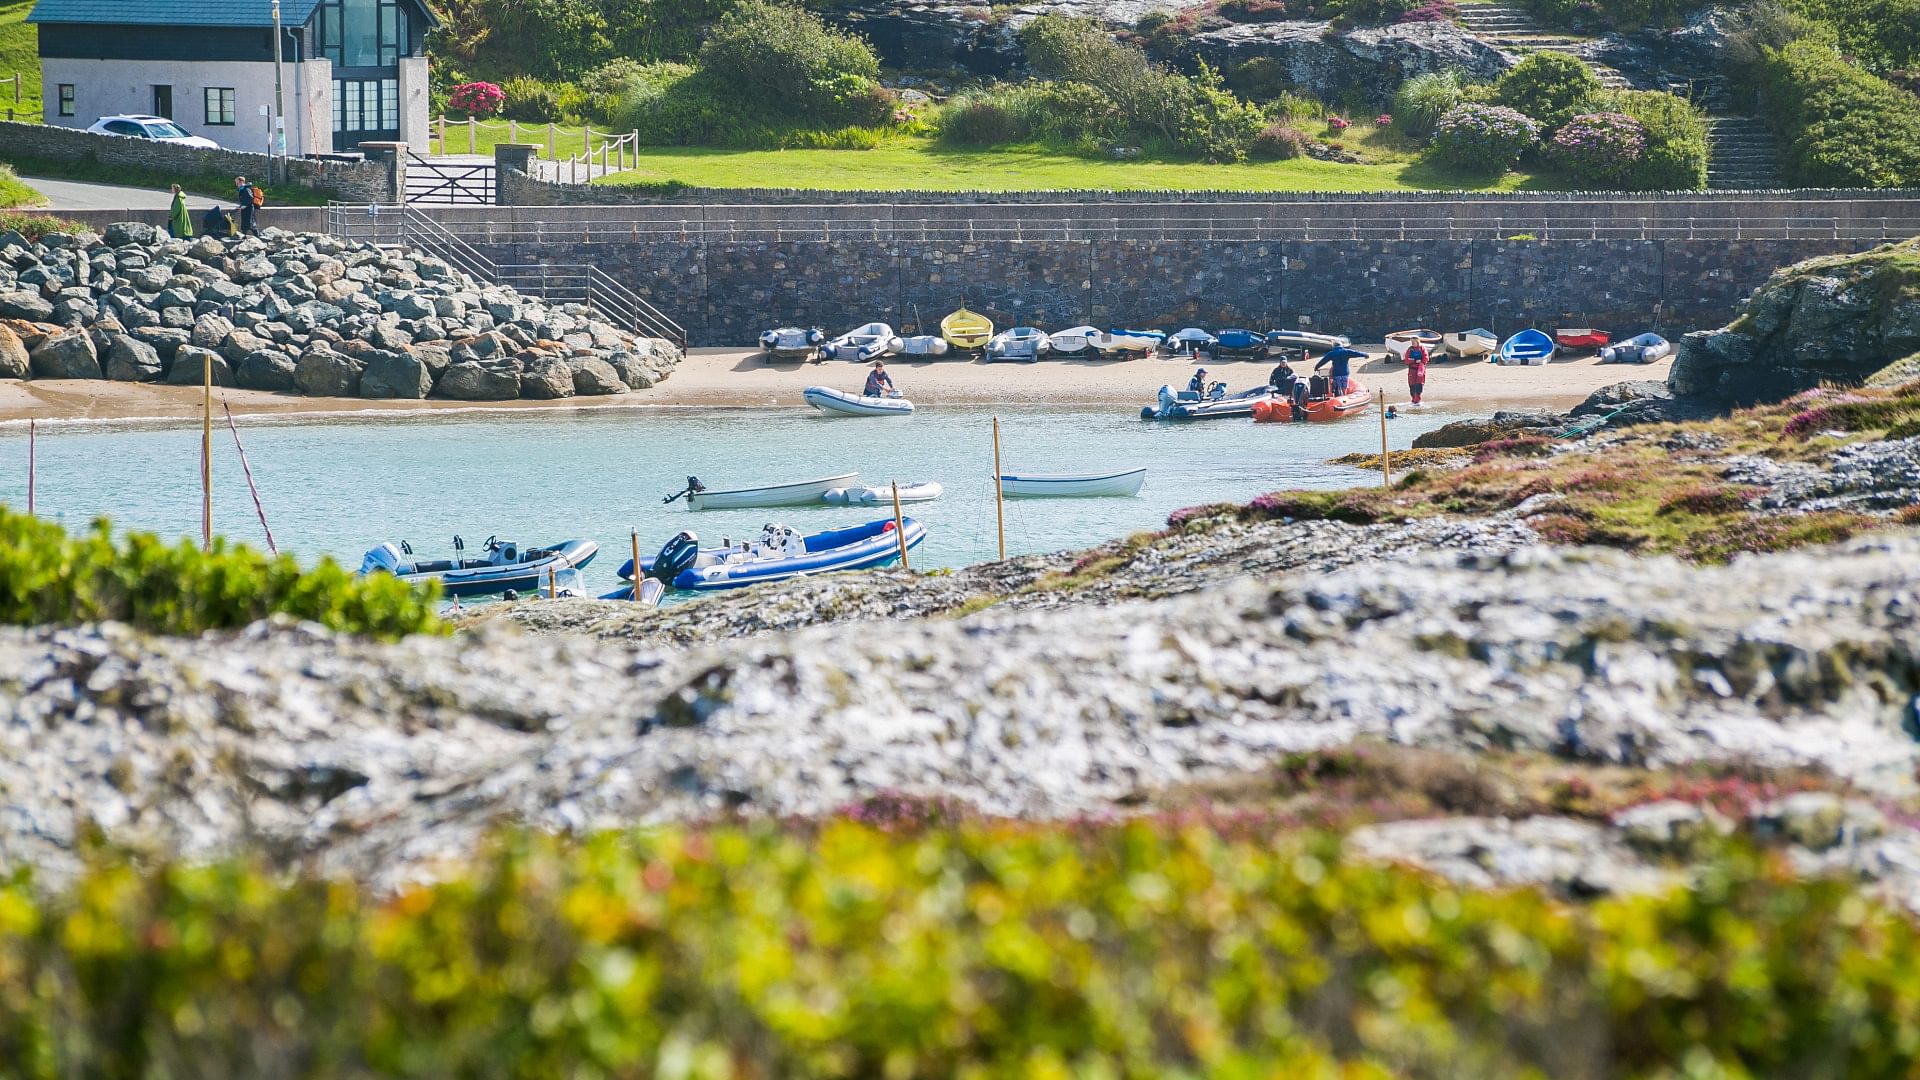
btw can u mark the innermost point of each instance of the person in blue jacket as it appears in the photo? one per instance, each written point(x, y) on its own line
point(1338, 358)
point(1198, 384)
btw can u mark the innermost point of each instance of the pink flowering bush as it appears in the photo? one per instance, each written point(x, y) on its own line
point(477, 99)
point(1431, 11)
point(1598, 149)
point(1485, 137)
point(1383, 120)
point(1338, 123)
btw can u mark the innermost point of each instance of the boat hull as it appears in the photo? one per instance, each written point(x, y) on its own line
point(1109, 485)
point(967, 331)
point(924, 345)
point(1643, 349)
point(1302, 339)
point(801, 493)
point(835, 402)
point(862, 547)
point(923, 491)
point(1581, 340)
point(1528, 347)
point(870, 341)
point(1469, 344)
point(1179, 407)
point(1280, 410)
point(1018, 344)
point(791, 343)
point(1074, 341)
point(1398, 343)
point(521, 576)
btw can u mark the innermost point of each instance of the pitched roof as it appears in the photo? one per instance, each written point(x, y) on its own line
point(183, 12)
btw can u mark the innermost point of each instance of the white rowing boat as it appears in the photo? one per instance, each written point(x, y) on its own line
point(799, 493)
point(1086, 486)
point(829, 400)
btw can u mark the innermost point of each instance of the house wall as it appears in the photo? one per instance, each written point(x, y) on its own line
point(105, 87)
point(414, 102)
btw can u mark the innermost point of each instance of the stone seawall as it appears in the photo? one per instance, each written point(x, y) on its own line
point(726, 293)
point(351, 181)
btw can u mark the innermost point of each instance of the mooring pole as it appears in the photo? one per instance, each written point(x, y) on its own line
point(636, 563)
point(206, 454)
point(32, 451)
point(1386, 467)
point(899, 526)
point(999, 496)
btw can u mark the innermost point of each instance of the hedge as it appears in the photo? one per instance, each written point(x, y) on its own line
point(47, 577)
point(1841, 126)
point(1150, 949)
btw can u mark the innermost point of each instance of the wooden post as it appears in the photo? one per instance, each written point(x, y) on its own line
point(636, 563)
point(206, 453)
point(553, 590)
point(1386, 468)
point(472, 135)
point(900, 527)
point(549, 140)
point(513, 131)
point(32, 449)
point(999, 497)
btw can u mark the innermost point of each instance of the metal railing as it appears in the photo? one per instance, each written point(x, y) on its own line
point(827, 229)
point(449, 183)
point(599, 292)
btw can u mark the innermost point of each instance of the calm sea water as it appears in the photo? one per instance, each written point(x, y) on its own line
point(335, 486)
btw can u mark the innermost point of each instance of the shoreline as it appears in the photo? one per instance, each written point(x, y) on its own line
point(741, 378)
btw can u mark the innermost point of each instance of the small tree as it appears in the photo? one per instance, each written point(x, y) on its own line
point(785, 63)
point(1549, 87)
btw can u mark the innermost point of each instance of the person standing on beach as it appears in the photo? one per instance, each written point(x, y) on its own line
point(179, 222)
point(1416, 371)
point(249, 197)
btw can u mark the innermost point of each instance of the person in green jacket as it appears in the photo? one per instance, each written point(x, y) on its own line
point(179, 222)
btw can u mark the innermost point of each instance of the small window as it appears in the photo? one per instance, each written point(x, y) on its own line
point(66, 99)
point(220, 106)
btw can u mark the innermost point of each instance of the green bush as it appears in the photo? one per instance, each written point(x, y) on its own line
point(1485, 138)
point(935, 950)
point(1549, 87)
point(1422, 100)
point(785, 64)
point(1062, 113)
point(1279, 142)
point(1598, 150)
point(1841, 126)
point(1219, 127)
point(1153, 102)
point(1882, 36)
point(531, 101)
point(1675, 158)
point(1626, 15)
point(1259, 79)
point(567, 39)
point(983, 117)
point(47, 577)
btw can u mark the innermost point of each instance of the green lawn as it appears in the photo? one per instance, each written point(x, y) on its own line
point(13, 193)
point(481, 137)
point(19, 52)
point(921, 164)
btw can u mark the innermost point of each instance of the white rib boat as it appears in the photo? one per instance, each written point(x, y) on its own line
point(799, 493)
point(1305, 339)
point(829, 400)
point(911, 491)
point(1088, 486)
point(1074, 341)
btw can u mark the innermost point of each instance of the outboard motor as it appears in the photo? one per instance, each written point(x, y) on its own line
point(385, 558)
point(675, 556)
point(694, 487)
point(1148, 412)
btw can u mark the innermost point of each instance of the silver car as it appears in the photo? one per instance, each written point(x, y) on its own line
point(157, 128)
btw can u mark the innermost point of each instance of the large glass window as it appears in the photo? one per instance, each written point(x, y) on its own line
point(366, 105)
point(364, 33)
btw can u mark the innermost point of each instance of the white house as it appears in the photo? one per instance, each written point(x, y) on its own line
point(351, 71)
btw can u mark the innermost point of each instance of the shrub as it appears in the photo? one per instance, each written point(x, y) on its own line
point(35, 226)
point(1259, 79)
point(1058, 112)
point(1612, 14)
point(1219, 127)
point(1675, 158)
point(1549, 87)
point(982, 118)
point(1882, 36)
point(1432, 11)
point(1371, 12)
point(477, 99)
point(1279, 142)
point(1483, 137)
point(1842, 126)
point(612, 78)
point(1598, 148)
point(1152, 101)
point(530, 101)
point(1422, 100)
point(47, 577)
point(784, 64)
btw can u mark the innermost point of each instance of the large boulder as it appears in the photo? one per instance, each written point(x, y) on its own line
point(594, 377)
point(211, 331)
point(15, 363)
point(546, 378)
point(322, 372)
point(66, 355)
point(122, 233)
point(1837, 319)
point(394, 375)
point(1372, 61)
point(265, 369)
point(25, 304)
point(190, 364)
point(131, 360)
point(474, 381)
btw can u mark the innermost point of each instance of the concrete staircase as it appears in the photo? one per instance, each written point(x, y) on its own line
point(1740, 150)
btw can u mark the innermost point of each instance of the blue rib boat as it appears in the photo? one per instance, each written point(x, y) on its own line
point(1235, 341)
point(778, 554)
point(1526, 347)
point(505, 566)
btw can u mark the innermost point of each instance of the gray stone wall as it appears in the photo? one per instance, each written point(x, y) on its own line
point(350, 181)
point(725, 293)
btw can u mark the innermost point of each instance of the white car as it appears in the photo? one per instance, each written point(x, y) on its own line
point(157, 128)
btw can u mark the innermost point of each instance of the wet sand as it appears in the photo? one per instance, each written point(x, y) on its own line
point(743, 378)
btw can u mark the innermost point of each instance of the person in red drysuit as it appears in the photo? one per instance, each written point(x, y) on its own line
point(1416, 371)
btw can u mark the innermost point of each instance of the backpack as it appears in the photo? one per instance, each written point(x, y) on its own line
point(259, 196)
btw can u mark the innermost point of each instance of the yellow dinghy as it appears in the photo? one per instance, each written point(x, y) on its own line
point(967, 330)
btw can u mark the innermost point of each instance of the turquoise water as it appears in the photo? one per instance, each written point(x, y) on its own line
point(338, 485)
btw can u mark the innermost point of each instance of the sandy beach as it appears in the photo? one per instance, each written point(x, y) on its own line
point(743, 378)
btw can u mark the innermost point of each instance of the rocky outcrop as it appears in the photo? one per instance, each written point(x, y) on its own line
point(373, 759)
point(262, 303)
point(68, 354)
point(1373, 61)
point(15, 362)
point(1838, 319)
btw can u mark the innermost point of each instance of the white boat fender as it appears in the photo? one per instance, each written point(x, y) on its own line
point(835, 496)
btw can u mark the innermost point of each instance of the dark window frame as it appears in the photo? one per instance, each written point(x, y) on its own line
point(221, 110)
point(66, 98)
point(393, 33)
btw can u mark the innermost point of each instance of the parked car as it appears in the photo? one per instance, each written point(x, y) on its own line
point(157, 128)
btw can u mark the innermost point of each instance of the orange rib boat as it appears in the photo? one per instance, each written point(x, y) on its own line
point(1355, 400)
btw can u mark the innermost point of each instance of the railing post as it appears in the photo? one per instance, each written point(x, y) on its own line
point(550, 153)
point(472, 136)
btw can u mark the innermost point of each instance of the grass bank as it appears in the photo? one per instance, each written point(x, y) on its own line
point(14, 193)
point(909, 163)
point(19, 53)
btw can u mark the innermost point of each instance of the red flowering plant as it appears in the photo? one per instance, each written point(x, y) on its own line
point(477, 99)
point(1338, 123)
point(1383, 120)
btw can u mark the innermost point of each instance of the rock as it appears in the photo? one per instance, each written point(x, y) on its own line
point(1671, 827)
point(1372, 61)
point(241, 342)
point(1473, 432)
point(265, 369)
point(1574, 857)
point(132, 360)
point(394, 375)
point(546, 378)
point(190, 365)
point(596, 377)
point(1818, 820)
point(14, 360)
point(25, 305)
point(208, 250)
point(325, 373)
point(67, 355)
point(436, 357)
point(211, 331)
point(122, 233)
point(474, 381)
